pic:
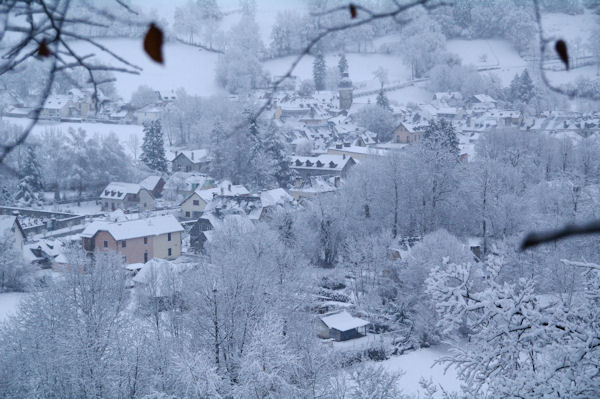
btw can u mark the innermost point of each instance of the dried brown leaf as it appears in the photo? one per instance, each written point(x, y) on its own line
point(153, 42)
point(561, 49)
point(43, 50)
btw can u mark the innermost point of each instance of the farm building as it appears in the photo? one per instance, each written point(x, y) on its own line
point(342, 326)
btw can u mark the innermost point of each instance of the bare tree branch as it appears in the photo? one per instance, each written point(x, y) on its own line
point(536, 238)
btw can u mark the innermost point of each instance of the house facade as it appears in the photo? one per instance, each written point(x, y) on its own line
point(405, 133)
point(119, 195)
point(137, 240)
point(191, 161)
point(195, 203)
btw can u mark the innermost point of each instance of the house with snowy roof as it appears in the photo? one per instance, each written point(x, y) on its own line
point(313, 186)
point(356, 152)
point(120, 195)
point(341, 326)
point(481, 102)
point(407, 132)
point(191, 161)
point(195, 203)
point(154, 184)
point(148, 113)
point(322, 165)
point(11, 230)
point(57, 106)
point(136, 240)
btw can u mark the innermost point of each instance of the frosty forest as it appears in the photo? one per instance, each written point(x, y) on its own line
point(299, 199)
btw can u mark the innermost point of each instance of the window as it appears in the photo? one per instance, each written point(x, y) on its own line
point(145, 240)
point(169, 251)
point(187, 214)
point(168, 236)
point(123, 244)
point(105, 244)
point(196, 202)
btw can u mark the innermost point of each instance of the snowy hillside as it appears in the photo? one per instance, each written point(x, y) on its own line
point(185, 66)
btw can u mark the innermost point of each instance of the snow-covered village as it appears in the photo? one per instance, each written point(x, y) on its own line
point(299, 199)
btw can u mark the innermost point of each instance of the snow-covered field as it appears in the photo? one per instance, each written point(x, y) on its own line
point(9, 303)
point(123, 132)
point(420, 364)
point(489, 54)
point(184, 66)
point(569, 27)
point(361, 67)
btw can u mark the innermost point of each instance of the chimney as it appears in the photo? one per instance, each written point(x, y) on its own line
point(344, 156)
point(222, 191)
point(192, 155)
point(229, 187)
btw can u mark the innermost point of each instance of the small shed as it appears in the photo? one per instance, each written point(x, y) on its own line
point(342, 326)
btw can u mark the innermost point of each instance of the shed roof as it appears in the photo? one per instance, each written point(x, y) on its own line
point(343, 321)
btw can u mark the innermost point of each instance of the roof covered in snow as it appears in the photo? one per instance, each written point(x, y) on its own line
point(323, 161)
point(6, 224)
point(275, 197)
point(150, 182)
point(161, 276)
point(135, 228)
point(195, 156)
point(343, 321)
point(118, 190)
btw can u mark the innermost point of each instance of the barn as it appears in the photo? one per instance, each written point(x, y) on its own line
point(342, 326)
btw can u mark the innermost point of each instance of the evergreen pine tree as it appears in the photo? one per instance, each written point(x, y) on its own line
point(514, 87)
point(319, 72)
point(382, 100)
point(522, 88)
point(26, 193)
point(343, 64)
point(526, 92)
point(277, 151)
point(5, 195)
point(31, 168)
point(217, 140)
point(153, 147)
point(440, 136)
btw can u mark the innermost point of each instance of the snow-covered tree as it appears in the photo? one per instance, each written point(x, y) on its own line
point(319, 71)
point(142, 96)
point(382, 100)
point(342, 64)
point(153, 147)
point(13, 268)
point(439, 136)
point(31, 168)
point(239, 68)
point(520, 344)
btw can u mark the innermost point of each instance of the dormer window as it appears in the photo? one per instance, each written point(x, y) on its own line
point(119, 193)
point(332, 164)
point(106, 192)
point(298, 162)
point(308, 163)
point(320, 164)
point(112, 193)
